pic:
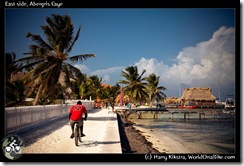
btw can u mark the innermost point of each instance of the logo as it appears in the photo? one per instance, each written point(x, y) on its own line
point(12, 147)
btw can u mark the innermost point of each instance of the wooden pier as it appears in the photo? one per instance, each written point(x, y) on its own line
point(201, 115)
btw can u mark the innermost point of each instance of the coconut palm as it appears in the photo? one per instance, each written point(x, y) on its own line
point(91, 87)
point(135, 87)
point(14, 88)
point(110, 93)
point(153, 89)
point(50, 58)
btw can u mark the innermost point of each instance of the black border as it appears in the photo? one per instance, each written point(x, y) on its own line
point(134, 158)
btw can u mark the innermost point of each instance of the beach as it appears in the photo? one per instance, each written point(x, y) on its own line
point(149, 142)
point(133, 140)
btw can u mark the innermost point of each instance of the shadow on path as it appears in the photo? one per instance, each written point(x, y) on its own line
point(102, 118)
point(39, 132)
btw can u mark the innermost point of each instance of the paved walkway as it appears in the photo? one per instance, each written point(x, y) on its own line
point(101, 130)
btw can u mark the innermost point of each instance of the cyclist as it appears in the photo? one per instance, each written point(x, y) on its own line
point(75, 115)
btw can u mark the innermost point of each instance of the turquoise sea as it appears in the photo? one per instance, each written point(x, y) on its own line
point(212, 134)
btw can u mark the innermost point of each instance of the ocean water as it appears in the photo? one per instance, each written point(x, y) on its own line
point(212, 134)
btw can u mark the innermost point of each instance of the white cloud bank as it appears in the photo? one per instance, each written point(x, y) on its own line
point(199, 65)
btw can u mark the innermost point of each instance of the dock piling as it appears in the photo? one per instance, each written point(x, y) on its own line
point(200, 115)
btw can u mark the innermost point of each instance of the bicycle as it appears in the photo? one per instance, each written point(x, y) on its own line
point(77, 133)
point(12, 147)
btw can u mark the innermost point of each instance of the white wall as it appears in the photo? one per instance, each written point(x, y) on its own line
point(22, 118)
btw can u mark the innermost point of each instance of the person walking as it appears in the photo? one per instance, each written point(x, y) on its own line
point(76, 115)
point(112, 105)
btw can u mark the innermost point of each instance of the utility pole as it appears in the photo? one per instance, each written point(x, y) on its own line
point(179, 90)
point(219, 90)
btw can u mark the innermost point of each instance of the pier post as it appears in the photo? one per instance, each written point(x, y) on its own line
point(139, 115)
point(172, 115)
point(186, 113)
point(200, 115)
point(155, 115)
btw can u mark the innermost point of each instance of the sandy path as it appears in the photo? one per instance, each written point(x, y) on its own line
point(55, 137)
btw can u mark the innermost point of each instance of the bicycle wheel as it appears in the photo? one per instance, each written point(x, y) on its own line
point(80, 136)
point(76, 130)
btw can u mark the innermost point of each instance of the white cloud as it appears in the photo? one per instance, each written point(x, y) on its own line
point(107, 71)
point(200, 65)
point(107, 74)
point(83, 68)
point(106, 78)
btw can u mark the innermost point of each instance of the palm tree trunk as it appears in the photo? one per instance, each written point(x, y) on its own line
point(36, 101)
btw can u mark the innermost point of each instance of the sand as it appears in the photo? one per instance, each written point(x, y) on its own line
point(164, 144)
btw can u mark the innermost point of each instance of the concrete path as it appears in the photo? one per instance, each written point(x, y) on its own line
point(101, 130)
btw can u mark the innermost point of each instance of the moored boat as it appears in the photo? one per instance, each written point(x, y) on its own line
point(230, 103)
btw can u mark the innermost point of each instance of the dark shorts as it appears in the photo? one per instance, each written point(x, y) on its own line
point(80, 122)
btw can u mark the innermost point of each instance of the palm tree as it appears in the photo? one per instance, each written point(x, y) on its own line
point(91, 86)
point(110, 93)
point(14, 88)
point(153, 89)
point(135, 87)
point(50, 58)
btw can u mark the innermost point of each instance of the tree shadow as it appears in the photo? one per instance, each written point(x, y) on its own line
point(93, 111)
point(32, 135)
point(102, 118)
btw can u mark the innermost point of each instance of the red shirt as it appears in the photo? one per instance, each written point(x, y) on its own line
point(77, 111)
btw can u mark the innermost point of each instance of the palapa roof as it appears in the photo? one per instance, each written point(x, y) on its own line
point(197, 94)
point(172, 100)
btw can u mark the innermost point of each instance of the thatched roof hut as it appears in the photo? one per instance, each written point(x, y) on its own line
point(172, 100)
point(197, 95)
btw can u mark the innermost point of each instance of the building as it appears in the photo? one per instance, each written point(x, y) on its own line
point(197, 96)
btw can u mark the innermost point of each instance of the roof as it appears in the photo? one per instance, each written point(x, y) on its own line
point(106, 85)
point(172, 99)
point(198, 94)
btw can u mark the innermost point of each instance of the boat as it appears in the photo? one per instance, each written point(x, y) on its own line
point(228, 111)
point(230, 102)
point(187, 106)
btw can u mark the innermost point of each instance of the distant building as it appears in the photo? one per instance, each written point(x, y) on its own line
point(172, 101)
point(197, 96)
point(106, 85)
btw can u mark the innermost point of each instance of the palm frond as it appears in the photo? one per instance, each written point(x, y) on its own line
point(28, 62)
point(72, 44)
point(74, 70)
point(48, 31)
point(81, 57)
point(39, 40)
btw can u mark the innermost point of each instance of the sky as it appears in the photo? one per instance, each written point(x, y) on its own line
point(186, 47)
